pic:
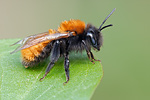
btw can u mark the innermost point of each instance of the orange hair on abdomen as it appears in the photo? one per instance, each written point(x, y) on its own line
point(29, 54)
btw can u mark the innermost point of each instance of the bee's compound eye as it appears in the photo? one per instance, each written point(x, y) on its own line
point(90, 35)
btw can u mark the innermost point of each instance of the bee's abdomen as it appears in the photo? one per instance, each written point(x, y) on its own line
point(36, 53)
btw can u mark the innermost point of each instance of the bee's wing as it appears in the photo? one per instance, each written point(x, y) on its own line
point(36, 39)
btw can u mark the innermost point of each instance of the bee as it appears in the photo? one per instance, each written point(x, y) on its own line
point(72, 35)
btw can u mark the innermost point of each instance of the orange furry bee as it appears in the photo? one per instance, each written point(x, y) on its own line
point(72, 35)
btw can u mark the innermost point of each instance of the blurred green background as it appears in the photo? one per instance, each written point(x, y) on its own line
point(125, 54)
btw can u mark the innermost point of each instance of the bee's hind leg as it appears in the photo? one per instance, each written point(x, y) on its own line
point(55, 54)
point(66, 66)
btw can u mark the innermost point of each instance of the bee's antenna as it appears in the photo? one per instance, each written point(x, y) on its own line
point(101, 28)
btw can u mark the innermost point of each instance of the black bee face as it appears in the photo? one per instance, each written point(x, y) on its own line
point(94, 37)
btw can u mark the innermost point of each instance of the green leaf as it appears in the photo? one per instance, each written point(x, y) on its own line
point(19, 83)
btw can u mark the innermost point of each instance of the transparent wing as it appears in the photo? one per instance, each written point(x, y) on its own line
point(38, 38)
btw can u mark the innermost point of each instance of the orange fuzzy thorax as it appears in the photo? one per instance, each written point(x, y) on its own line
point(72, 25)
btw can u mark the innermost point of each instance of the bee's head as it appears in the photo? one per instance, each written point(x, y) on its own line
point(94, 35)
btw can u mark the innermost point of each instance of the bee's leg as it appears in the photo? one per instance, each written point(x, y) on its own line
point(89, 56)
point(92, 56)
point(55, 54)
point(88, 52)
point(66, 66)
